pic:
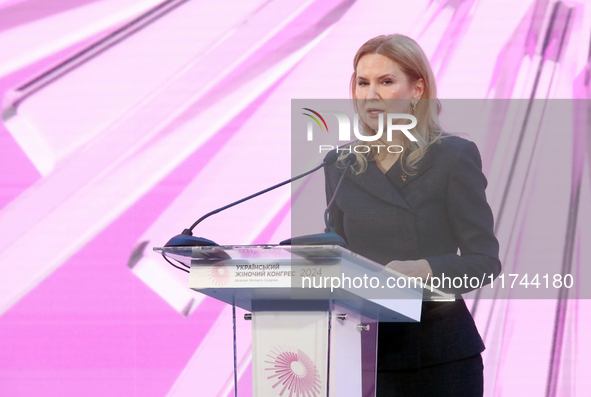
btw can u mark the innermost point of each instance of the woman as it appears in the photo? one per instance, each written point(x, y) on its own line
point(411, 212)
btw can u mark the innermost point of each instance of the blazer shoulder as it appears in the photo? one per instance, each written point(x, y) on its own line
point(451, 147)
point(454, 143)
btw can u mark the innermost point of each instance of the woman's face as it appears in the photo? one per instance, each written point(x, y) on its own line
point(382, 87)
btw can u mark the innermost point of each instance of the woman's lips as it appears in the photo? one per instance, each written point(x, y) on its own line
point(374, 113)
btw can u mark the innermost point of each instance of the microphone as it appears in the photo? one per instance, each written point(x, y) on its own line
point(329, 237)
point(186, 238)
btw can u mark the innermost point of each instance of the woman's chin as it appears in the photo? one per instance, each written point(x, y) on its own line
point(372, 123)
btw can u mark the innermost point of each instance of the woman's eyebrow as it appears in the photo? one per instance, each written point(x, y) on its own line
point(387, 75)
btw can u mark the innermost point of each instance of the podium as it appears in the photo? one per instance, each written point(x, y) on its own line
point(314, 309)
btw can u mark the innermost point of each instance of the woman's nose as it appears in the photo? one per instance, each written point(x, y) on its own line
point(372, 92)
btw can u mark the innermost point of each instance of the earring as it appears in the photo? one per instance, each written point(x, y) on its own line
point(414, 106)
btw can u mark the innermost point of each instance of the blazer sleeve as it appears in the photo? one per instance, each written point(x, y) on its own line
point(471, 222)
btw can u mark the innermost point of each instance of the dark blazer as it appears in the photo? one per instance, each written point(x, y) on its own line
point(428, 215)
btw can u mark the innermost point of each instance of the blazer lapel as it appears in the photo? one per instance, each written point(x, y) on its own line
point(401, 179)
point(374, 181)
point(388, 186)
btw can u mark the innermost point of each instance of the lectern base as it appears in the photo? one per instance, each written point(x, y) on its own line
point(302, 353)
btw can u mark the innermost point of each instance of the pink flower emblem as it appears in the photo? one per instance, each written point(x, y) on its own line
point(292, 370)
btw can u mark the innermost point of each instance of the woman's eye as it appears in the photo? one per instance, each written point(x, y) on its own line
point(387, 82)
point(363, 83)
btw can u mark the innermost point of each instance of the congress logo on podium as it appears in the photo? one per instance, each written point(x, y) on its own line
point(219, 274)
point(292, 370)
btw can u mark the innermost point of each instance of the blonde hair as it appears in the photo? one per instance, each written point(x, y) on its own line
point(414, 63)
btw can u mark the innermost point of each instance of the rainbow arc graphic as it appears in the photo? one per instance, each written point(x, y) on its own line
point(315, 119)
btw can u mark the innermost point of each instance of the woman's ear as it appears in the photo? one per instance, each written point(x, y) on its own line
point(419, 88)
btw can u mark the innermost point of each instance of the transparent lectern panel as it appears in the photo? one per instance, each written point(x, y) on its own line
point(303, 272)
point(369, 357)
point(353, 355)
point(242, 334)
